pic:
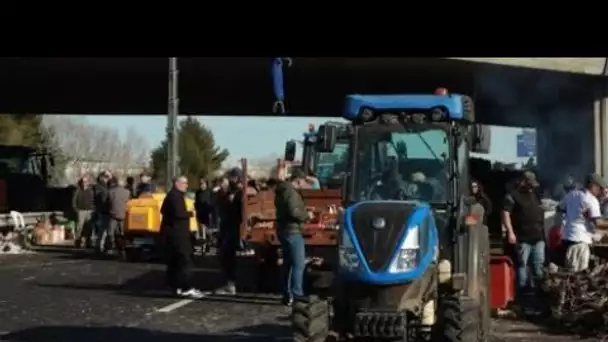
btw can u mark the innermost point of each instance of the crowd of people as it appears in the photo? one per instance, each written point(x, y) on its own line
point(224, 204)
point(580, 212)
point(100, 210)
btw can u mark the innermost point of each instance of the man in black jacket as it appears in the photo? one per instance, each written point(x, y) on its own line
point(523, 217)
point(101, 209)
point(231, 204)
point(175, 231)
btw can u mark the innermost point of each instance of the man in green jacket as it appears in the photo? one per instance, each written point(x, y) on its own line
point(291, 214)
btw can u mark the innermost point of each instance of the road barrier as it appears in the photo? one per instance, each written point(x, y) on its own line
point(29, 218)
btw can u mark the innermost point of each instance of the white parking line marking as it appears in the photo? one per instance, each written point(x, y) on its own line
point(175, 305)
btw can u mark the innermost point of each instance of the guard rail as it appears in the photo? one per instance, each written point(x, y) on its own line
point(29, 218)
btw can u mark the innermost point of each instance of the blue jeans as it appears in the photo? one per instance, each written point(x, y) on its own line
point(294, 263)
point(529, 253)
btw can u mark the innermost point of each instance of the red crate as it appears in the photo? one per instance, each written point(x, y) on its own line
point(502, 281)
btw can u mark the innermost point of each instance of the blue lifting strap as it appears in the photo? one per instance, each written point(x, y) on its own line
point(277, 83)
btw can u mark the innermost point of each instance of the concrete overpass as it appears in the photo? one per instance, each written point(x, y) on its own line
point(314, 86)
point(587, 66)
point(566, 99)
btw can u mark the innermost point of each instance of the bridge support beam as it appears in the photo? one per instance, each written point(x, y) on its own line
point(600, 121)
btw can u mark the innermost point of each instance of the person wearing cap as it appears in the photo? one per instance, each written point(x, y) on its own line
point(230, 204)
point(581, 209)
point(523, 217)
point(291, 214)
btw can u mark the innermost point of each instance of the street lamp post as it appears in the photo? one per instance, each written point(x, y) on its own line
point(172, 122)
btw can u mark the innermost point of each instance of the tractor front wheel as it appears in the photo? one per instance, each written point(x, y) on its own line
point(310, 319)
point(458, 320)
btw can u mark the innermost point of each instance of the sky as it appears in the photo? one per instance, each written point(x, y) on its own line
point(255, 137)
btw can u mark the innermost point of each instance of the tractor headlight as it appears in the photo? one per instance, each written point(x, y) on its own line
point(408, 256)
point(349, 260)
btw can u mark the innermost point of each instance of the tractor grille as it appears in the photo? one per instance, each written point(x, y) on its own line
point(378, 245)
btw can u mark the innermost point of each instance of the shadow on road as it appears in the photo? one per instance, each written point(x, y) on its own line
point(252, 286)
point(264, 332)
point(151, 284)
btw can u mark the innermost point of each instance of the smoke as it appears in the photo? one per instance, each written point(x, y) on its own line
point(558, 105)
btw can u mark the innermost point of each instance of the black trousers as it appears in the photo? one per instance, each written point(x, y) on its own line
point(178, 258)
point(227, 256)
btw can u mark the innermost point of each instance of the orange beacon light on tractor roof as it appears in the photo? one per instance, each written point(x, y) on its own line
point(441, 91)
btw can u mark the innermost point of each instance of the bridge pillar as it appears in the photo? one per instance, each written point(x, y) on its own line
point(600, 122)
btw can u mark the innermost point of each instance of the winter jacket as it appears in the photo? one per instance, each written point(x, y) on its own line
point(118, 197)
point(83, 199)
point(101, 198)
point(290, 209)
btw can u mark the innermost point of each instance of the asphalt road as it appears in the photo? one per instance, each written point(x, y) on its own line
point(65, 297)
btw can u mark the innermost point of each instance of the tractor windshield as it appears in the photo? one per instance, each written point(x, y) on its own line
point(396, 162)
point(328, 166)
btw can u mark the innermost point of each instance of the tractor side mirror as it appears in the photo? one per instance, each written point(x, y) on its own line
point(481, 136)
point(290, 151)
point(326, 138)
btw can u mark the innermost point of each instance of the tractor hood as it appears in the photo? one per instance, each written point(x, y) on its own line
point(378, 231)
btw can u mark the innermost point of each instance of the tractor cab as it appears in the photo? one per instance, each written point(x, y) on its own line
point(327, 167)
point(413, 251)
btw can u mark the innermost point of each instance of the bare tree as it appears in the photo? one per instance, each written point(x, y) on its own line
point(90, 148)
point(264, 166)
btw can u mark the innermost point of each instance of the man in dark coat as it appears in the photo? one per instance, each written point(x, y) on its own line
point(175, 231)
point(101, 213)
point(291, 214)
point(230, 204)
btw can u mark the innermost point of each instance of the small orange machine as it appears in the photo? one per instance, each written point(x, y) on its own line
point(142, 223)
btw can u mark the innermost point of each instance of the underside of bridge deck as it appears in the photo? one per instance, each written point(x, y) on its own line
point(225, 86)
point(559, 104)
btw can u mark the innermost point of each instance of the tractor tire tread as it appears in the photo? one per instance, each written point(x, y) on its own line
point(458, 320)
point(310, 319)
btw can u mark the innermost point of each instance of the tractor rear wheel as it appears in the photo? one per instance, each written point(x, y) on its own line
point(458, 320)
point(310, 319)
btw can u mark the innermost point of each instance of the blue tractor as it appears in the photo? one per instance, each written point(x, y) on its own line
point(413, 249)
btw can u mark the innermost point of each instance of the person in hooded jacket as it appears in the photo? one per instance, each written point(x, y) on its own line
point(291, 214)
